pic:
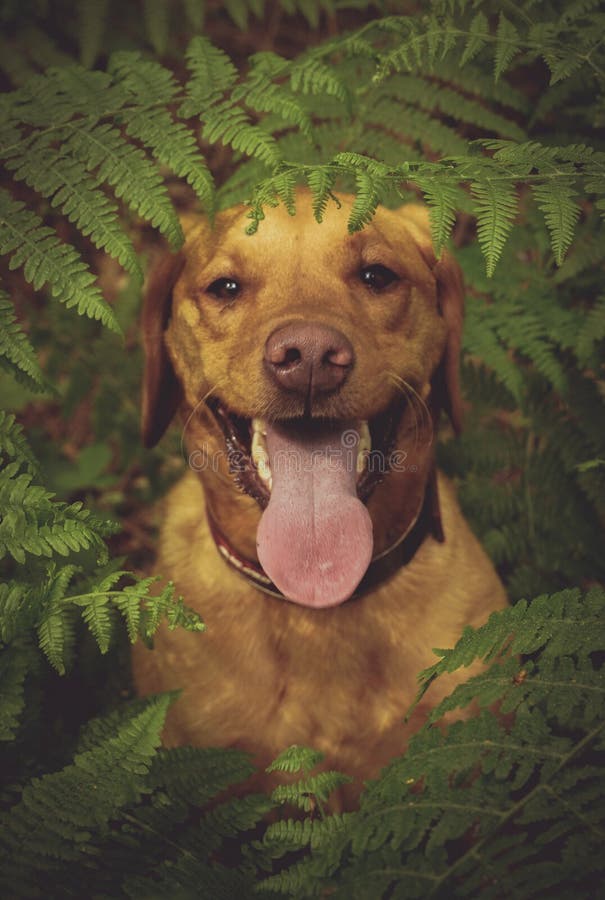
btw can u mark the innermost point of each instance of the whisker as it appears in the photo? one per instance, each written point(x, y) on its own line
point(416, 401)
point(199, 403)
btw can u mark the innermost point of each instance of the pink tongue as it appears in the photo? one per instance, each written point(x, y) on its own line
point(314, 539)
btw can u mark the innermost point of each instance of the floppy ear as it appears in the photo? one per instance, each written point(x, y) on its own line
point(450, 296)
point(161, 392)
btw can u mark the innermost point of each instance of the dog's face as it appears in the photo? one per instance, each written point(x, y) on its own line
point(311, 346)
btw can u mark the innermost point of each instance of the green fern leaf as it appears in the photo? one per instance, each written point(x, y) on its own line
point(591, 332)
point(308, 792)
point(127, 170)
point(262, 94)
point(231, 125)
point(97, 615)
point(366, 201)
point(196, 775)
point(432, 96)
point(296, 759)
point(46, 260)
point(129, 605)
point(56, 627)
point(496, 207)
point(82, 799)
point(481, 340)
point(172, 143)
point(321, 181)
point(71, 189)
point(478, 34)
point(17, 355)
point(443, 199)
point(561, 212)
point(507, 46)
point(15, 663)
point(311, 76)
point(14, 445)
point(213, 74)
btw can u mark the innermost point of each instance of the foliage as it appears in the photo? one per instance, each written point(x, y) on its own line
point(490, 114)
point(494, 807)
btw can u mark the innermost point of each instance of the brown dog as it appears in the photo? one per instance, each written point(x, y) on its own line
point(327, 559)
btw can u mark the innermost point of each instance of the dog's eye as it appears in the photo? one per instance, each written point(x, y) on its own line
point(224, 289)
point(378, 277)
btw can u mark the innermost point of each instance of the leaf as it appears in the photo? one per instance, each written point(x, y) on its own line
point(507, 45)
point(16, 353)
point(557, 201)
point(478, 33)
point(45, 259)
point(496, 208)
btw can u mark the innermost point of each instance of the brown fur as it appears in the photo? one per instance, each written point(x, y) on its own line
point(269, 673)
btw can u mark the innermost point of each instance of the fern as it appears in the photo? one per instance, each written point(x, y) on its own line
point(448, 789)
point(45, 259)
point(16, 352)
point(437, 104)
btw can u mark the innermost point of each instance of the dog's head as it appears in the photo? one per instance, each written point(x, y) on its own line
point(325, 357)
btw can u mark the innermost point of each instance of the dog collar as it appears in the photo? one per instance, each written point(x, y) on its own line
point(382, 567)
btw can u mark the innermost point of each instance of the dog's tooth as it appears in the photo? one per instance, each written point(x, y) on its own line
point(258, 426)
point(363, 447)
point(361, 460)
point(260, 458)
point(365, 439)
point(259, 450)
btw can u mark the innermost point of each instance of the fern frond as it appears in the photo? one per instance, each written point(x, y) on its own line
point(14, 445)
point(230, 125)
point(308, 792)
point(561, 212)
point(260, 92)
point(480, 340)
point(478, 33)
point(507, 45)
point(296, 759)
point(45, 259)
point(195, 775)
point(321, 181)
point(70, 188)
point(433, 96)
point(496, 208)
point(421, 43)
point(17, 355)
point(31, 523)
point(366, 201)
point(15, 664)
point(591, 332)
point(311, 76)
point(132, 176)
point(81, 800)
point(213, 74)
point(523, 630)
point(443, 199)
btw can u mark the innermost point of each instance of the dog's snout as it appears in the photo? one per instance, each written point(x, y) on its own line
point(309, 358)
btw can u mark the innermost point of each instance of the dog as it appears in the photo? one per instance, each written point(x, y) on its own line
point(312, 532)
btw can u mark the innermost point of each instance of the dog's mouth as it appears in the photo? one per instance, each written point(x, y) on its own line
point(312, 478)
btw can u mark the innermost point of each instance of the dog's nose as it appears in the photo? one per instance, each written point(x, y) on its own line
point(309, 358)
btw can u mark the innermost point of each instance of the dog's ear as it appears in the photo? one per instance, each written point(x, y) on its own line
point(450, 295)
point(161, 392)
